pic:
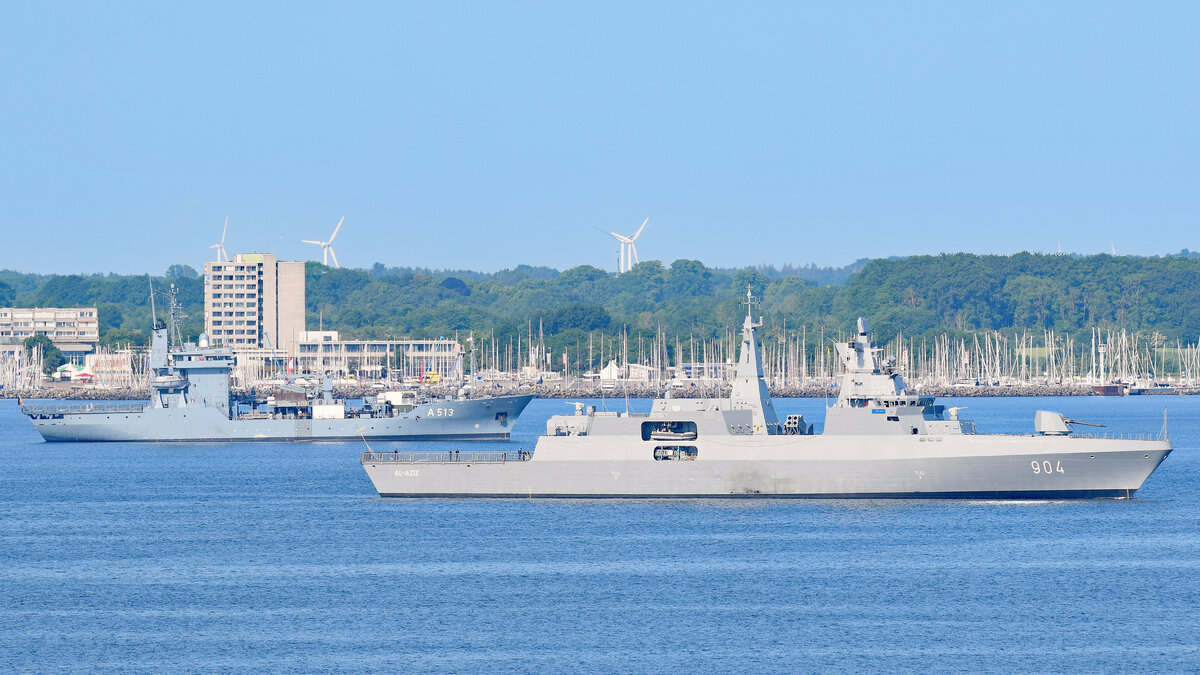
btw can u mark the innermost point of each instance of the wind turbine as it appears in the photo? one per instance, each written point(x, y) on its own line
point(222, 256)
point(622, 242)
point(629, 256)
point(327, 246)
point(633, 247)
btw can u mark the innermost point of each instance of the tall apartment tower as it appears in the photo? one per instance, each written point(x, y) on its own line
point(254, 301)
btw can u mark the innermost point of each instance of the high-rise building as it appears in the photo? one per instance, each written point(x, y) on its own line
point(254, 301)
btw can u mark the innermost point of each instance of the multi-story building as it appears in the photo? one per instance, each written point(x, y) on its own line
point(254, 301)
point(321, 352)
point(73, 330)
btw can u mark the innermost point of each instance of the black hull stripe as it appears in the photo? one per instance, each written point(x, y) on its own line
point(1022, 494)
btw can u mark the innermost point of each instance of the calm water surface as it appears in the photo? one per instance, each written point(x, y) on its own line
point(239, 557)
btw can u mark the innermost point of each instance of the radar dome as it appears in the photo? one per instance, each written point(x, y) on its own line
point(202, 341)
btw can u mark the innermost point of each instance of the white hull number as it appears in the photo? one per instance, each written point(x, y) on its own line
point(1045, 466)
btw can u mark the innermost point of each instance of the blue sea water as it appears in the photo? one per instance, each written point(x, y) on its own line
point(250, 557)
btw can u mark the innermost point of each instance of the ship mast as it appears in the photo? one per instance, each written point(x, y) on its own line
point(749, 390)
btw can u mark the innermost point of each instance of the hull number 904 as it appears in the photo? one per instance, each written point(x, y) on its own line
point(1045, 466)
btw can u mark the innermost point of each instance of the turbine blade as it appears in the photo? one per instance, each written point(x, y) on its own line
point(635, 234)
point(310, 241)
point(335, 230)
point(334, 256)
point(224, 229)
point(633, 249)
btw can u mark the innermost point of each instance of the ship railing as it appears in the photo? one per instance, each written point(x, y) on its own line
point(447, 457)
point(1120, 437)
point(83, 407)
point(1097, 435)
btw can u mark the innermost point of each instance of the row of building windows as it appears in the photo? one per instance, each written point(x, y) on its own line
point(232, 277)
point(83, 314)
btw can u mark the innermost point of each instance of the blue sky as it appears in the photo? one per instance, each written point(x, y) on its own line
point(482, 136)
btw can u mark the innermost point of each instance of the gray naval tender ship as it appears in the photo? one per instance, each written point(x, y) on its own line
point(191, 400)
point(879, 440)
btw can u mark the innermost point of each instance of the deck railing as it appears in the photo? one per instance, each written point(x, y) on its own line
point(448, 457)
point(83, 407)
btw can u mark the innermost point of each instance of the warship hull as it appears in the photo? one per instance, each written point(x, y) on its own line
point(483, 419)
point(979, 467)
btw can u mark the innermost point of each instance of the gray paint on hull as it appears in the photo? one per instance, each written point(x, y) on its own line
point(1089, 472)
point(471, 420)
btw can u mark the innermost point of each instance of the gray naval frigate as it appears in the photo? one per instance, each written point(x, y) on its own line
point(191, 400)
point(880, 440)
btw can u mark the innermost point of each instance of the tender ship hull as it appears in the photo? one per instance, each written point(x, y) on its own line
point(483, 419)
point(979, 467)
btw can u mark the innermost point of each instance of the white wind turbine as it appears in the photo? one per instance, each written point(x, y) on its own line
point(629, 256)
point(327, 246)
point(222, 256)
point(633, 247)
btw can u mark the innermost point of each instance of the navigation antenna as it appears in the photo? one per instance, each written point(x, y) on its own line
point(1162, 434)
point(153, 313)
point(750, 302)
point(176, 315)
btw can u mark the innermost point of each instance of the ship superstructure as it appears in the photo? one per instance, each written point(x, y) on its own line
point(191, 400)
point(879, 440)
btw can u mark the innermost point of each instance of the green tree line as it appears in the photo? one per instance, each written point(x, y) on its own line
point(919, 295)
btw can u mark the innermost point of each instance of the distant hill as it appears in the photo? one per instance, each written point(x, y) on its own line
point(919, 295)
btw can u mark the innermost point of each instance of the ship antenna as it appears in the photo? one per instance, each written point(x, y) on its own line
point(174, 327)
point(750, 302)
point(153, 313)
point(1163, 433)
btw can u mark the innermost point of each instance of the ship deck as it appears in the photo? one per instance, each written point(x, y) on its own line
point(448, 457)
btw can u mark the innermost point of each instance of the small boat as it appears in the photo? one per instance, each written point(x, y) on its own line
point(672, 435)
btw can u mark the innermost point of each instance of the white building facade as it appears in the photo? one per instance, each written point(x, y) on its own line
point(254, 302)
point(412, 361)
point(74, 330)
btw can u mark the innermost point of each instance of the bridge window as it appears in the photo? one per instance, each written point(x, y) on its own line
point(684, 453)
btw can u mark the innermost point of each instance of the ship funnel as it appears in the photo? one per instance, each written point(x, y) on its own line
point(862, 325)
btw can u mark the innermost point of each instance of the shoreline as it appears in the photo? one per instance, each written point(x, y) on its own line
point(643, 392)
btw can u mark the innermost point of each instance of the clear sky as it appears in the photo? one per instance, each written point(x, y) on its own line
point(485, 135)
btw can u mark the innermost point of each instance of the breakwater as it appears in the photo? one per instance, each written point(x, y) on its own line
point(571, 391)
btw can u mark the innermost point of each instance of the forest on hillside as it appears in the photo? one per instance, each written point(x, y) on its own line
point(919, 296)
